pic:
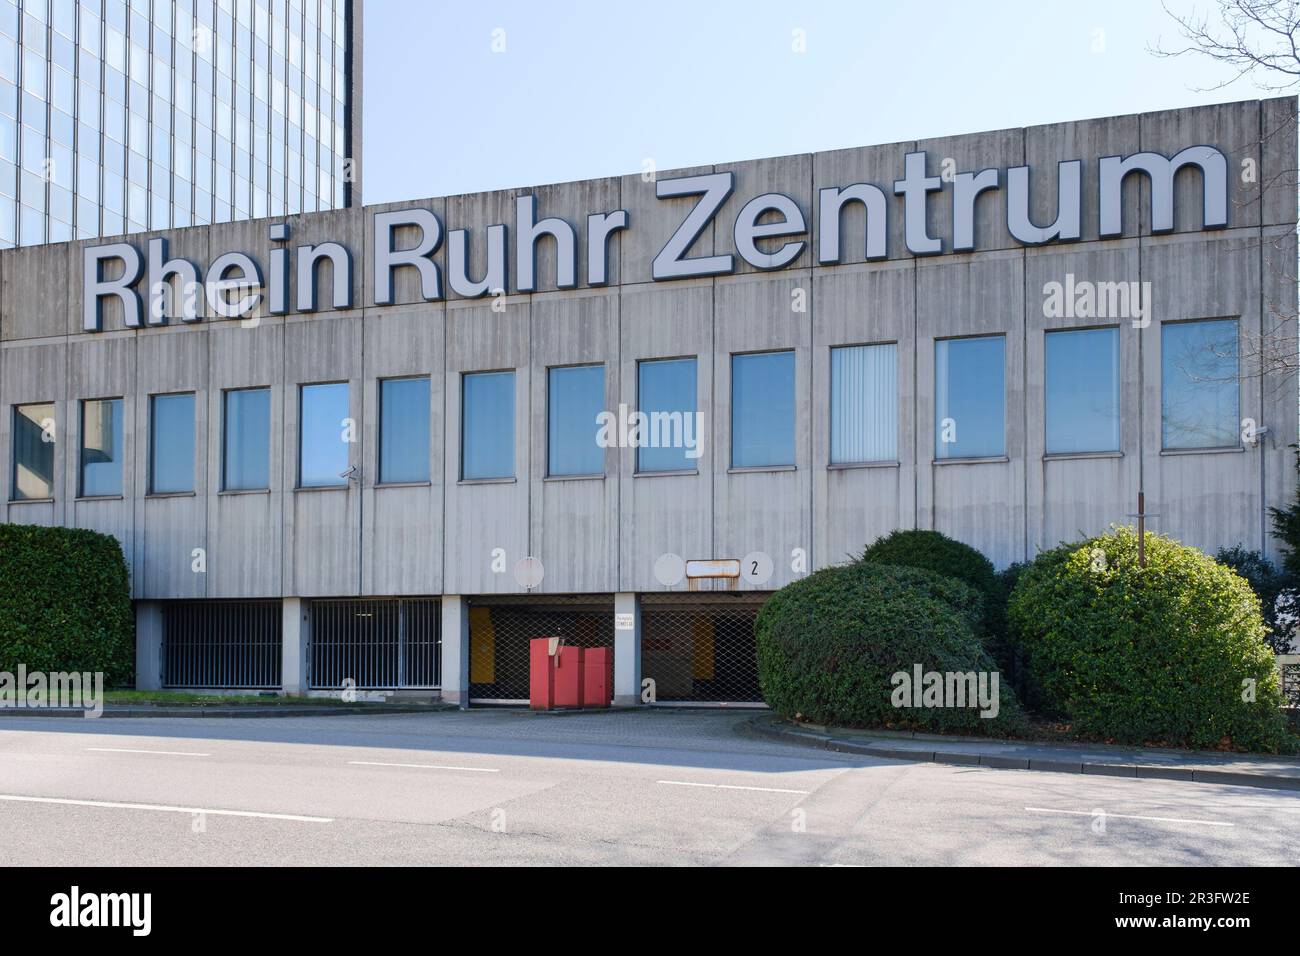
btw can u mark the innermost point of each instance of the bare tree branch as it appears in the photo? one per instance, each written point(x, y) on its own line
point(1255, 39)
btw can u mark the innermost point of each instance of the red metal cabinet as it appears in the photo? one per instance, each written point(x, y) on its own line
point(597, 677)
point(566, 676)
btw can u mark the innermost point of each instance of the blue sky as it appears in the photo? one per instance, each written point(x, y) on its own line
point(587, 89)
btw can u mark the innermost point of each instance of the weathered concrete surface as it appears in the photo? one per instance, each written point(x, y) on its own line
point(604, 534)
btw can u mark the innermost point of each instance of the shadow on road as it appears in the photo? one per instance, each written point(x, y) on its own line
point(680, 738)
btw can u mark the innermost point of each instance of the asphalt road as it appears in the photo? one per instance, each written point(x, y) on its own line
point(663, 787)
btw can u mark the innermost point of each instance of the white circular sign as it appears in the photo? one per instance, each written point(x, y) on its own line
point(669, 569)
point(756, 568)
point(529, 572)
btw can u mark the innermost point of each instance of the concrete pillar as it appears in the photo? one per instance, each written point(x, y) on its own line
point(294, 631)
point(455, 650)
point(148, 645)
point(627, 650)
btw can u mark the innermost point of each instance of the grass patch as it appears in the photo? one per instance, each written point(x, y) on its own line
point(182, 698)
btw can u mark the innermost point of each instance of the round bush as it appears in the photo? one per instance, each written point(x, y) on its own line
point(933, 551)
point(936, 552)
point(65, 602)
point(1158, 655)
point(830, 644)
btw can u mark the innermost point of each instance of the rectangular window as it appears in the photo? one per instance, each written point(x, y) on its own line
point(864, 403)
point(1081, 383)
point(33, 452)
point(1199, 391)
point(671, 438)
point(247, 440)
point(101, 448)
point(171, 444)
point(575, 397)
point(323, 428)
point(403, 430)
point(762, 410)
point(970, 397)
point(487, 425)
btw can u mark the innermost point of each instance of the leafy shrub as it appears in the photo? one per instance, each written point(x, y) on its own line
point(829, 645)
point(1268, 583)
point(1286, 528)
point(999, 641)
point(65, 602)
point(934, 551)
point(1162, 654)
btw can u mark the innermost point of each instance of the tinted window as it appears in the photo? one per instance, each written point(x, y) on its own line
point(101, 447)
point(1081, 383)
point(576, 396)
point(666, 396)
point(33, 452)
point(247, 449)
point(171, 443)
point(762, 410)
point(970, 398)
point(404, 429)
point(1199, 388)
point(323, 429)
point(487, 428)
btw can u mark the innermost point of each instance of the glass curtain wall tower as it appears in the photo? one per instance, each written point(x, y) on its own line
point(125, 115)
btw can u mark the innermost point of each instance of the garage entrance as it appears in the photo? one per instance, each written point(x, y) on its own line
point(228, 645)
point(383, 644)
point(700, 648)
point(501, 627)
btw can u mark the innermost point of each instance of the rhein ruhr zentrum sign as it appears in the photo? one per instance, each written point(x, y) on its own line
point(236, 283)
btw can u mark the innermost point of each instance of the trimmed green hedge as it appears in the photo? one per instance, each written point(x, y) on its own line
point(1154, 655)
point(934, 551)
point(829, 645)
point(1268, 583)
point(65, 602)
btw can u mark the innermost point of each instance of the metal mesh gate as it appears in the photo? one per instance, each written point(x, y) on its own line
point(1290, 668)
point(700, 649)
point(221, 644)
point(501, 627)
point(377, 644)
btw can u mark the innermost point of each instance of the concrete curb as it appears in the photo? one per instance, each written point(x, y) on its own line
point(770, 729)
point(242, 710)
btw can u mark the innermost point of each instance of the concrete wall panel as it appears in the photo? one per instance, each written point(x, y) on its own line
point(402, 524)
point(1206, 499)
point(1071, 496)
point(605, 533)
point(573, 521)
point(666, 513)
point(763, 510)
point(322, 526)
point(487, 524)
point(979, 502)
point(852, 506)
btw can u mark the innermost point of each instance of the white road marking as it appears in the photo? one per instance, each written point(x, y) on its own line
point(421, 766)
point(163, 808)
point(1130, 816)
point(163, 753)
point(728, 786)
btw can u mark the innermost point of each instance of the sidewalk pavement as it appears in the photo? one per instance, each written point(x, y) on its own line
point(1193, 766)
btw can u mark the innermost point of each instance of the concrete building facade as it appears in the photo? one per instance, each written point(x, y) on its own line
point(913, 246)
